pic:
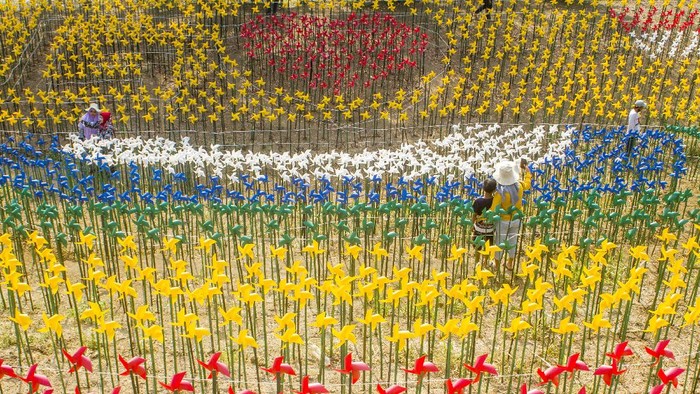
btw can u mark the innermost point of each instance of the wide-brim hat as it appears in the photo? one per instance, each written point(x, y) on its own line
point(506, 173)
point(93, 106)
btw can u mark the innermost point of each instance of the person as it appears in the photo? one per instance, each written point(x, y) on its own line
point(89, 124)
point(509, 197)
point(633, 125)
point(486, 5)
point(106, 126)
point(482, 226)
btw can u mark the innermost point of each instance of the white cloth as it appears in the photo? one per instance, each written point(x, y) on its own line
point(507, 231)
point(633, 122)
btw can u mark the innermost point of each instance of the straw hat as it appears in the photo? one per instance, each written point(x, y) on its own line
point(93, 106)
point(506, 173)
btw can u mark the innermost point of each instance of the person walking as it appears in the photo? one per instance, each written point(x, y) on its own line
point(89, 124)
point(633, 126)
point(487, 5)
point(513, 180)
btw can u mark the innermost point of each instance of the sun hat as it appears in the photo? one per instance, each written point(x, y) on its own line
point(640, 104)
point(506, 173)
point(93, 106)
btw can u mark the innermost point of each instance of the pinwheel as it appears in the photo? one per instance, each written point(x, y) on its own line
point(660, 351)
point(458, 386)
point(178, 383)
point(353, 367)
point(133, 366)
point(550, 374)
point(35, 380)
point(214, 366)
point(6, 370)
point(279, 368)
point(608, 371)
point(78, 360)
point(310, 388)
point(481, 366)
point(395, 389)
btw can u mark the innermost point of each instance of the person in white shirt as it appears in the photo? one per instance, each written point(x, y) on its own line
point(633, 125)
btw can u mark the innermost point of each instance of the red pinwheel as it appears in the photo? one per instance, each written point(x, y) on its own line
point(35, 380)
point(215, 366)
point(551, 374)
point(608, 371)
point(670, 375)
point(353, 367)
point(278, 368)
point(621, 350)
point(310, 388)
point(573, 364)
point(660, 351)
point(458, 386)
point(78, 360)
point(178, 383)
point(133, 366)
point(231, 391)
point(6, 370)
point(395, 389)
point(481, 366)
point(422, 367)
point(524, 390)
point(657, 389)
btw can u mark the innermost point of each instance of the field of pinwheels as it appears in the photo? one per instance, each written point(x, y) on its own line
point(236, 237)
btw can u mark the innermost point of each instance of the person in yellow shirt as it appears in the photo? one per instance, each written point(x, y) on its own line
point(509, 197)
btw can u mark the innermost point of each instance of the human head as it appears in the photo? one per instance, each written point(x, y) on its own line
point(489, 185)
point(93, 109)
point(507, 173)
point(640, 105)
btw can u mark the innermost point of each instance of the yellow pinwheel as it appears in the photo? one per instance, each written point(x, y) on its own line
point(378, 252)
point(517, 325)
point(344, 335)
point(372, 319)
point(597, 323)
point(108, 328)
point(400, 337)
point(322, 321)
point(290, 336)
point(153, 332)
point(244, 340)
point(21, 319)
point(566, 327)
point(53, 324)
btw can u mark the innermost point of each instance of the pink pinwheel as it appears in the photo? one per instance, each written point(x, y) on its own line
point(481, 366)
point(458, 386)
point(35, 380)
point(215, 366)
point(178, 383)
point(395, 389)
point(550, 374)
point(78, 360)
point(231, 391)
point(658, 389)
point(524, 390)
point(133, 366)
point(279, 368)
point(353, 367)
point(608, 371)
point(670, 375)
point(310, 388)
point(6, 370)
point(422, 367)
point(573, 364)
point(660, 351)
point(621, 350)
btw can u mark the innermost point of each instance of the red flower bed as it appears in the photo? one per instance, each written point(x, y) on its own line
point(334, 54)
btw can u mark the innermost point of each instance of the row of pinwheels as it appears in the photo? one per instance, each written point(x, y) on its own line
point(422, 368)
point(422, 304)
point(540, 69)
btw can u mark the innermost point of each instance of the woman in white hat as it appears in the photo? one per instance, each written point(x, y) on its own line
point(89, 124)
point(509, 197)
point(633, 125)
